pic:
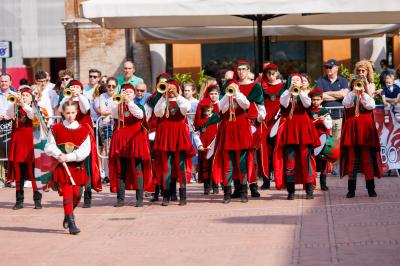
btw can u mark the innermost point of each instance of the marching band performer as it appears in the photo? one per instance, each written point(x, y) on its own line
point(69, 142)
point(323, 123)
point(273, 89)
point(74, 91)
point(172, 140)
point(129, 157)
point(296, 140)
point(206, 124)
point(360, 146)
point(21, 156)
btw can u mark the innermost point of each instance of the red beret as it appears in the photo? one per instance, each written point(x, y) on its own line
point(173, 82)
point(316, 92)
point(271, 66)
point(243, 62)
point(206, 102)
point(75, 82)
point(25, 88)
point(127, 86)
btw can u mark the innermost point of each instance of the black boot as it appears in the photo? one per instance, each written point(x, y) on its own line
point(290, 189)
point(73, 230)
point(139, 198)
point(243, 194)
point(236, 192)
point(215, 188)
point(322, 182)
point(227, 194)
point(266, 184)
point(309, 191)
point(65, 221)
point(351, 185)
point(207, 187)
point(156, 194)
point(166, 198)
point(371, 188)
point(87, 199)
point(172, 191)
point(37, 199)
point(120, 197)
point(182, 197)
point(19, 204)
point(254, 190)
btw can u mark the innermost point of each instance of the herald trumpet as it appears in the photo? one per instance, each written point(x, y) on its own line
point(12, 99)
point(231, 89)
point(162, 87)
point(117, 98)
point(358, 86)
point(294, 90)
point(67, 93)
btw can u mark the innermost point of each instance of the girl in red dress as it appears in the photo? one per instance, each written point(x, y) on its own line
point(69, 142)
point(298, 137)
point(21, 157)
point(172, 140)
point(273, 89)
point(129, 158)
point(359, 143)
point(83, 117)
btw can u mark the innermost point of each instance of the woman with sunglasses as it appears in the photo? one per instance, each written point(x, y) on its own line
point(364, 71)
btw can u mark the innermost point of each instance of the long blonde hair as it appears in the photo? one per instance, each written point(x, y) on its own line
point(368, 66)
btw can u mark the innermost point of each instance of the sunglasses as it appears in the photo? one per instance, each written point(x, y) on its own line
point(328, 67)
point(361, 70)
point(111, 86)
point(140, 90)
point(93, 76)
point(65, 79)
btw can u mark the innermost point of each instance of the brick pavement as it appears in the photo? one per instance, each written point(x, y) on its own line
point(329, 230)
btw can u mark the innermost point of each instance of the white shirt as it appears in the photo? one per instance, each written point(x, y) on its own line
point(183, 104)
point(105, 102)
point(133, 109)
point(367, 101)
point(4, 104)
point(193, 103)
point(77, 155)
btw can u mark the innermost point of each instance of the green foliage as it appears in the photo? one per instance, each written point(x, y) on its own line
point(345, 72)
point(183, 78)
point(202, 79)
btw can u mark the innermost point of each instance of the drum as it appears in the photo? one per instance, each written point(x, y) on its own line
point(329, 149)
point(274, 129)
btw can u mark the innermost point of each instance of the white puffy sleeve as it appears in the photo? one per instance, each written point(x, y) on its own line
point(223, 104)
point(242, 100)
point(328, 122)
point(197, 140)
point(81, 153)
point(84, 104)
point(305, 100)
point(285, 98)
point(51, 148)
point(348, 100)
point(29, 111)
point(159, 109)
point(367, 101)
point(135, 110)
point(261, 112)
point(184, 104)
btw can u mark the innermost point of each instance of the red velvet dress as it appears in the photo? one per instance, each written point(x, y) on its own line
point(131, 141)
point(69, 140)
point(21, 148)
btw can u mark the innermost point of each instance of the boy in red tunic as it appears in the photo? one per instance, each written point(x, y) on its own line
point(273, 89)
point(323, 123)
point(298, 137)
point(83, 117)
point(359, 143)
point(21, 157)
point(69, 142)
point(130, 160)
point(206, 124)
point(172, 140)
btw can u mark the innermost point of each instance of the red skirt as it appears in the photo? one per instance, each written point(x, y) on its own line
point(236, 135)
point(360, 130)
point(173, 136)
point(21, 148)
point(300, 130)
point(131, 142)
point(78, 173)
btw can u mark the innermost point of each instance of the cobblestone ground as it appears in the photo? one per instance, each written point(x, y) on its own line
point(329, 230)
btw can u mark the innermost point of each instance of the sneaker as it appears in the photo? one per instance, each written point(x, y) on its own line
point(28, 183)
point(102, 173)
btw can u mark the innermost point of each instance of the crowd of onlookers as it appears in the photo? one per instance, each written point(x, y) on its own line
point(100, 90)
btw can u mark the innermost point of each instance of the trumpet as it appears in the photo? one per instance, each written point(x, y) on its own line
point(67, 93)
point(162, 87)
point(12, 99)
point(231, 89)
point(117, 98)
point(294, 90)
point(358, 86)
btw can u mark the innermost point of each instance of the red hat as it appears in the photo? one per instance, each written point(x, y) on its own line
point(316, 92)
point(198, 119)
point(296, 74)
point(164, 75)
point(127, 86)
point(75, 82)
point(173, 82)
point(242, 62)
point(270, 66)
point(211, 87)
point(25, 88)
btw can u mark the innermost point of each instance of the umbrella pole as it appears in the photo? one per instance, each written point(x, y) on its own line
point(260, 55)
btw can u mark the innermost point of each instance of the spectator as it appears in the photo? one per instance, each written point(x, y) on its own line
point(384, 68)
point(208, 82)
point(364, 71)
point(129, 77)
point(42, 92)
point(391, 96)
point(188, 91)
point(397, 76)
point(141, 94)
point(5, 91)
point(103, 80)
point(23, 82)
point(335, 89)
point(65, 76)
point(89, 89)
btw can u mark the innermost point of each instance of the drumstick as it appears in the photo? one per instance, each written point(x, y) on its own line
point(315, 120)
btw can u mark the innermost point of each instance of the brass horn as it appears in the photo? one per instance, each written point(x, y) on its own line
point(231, 89)
point(294, 90)
point(358, 86)
point(162, 87)
point(11, 98)
point(67, 93)
point(117, 98)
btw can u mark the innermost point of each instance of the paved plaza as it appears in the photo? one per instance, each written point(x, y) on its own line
point(329, 230)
